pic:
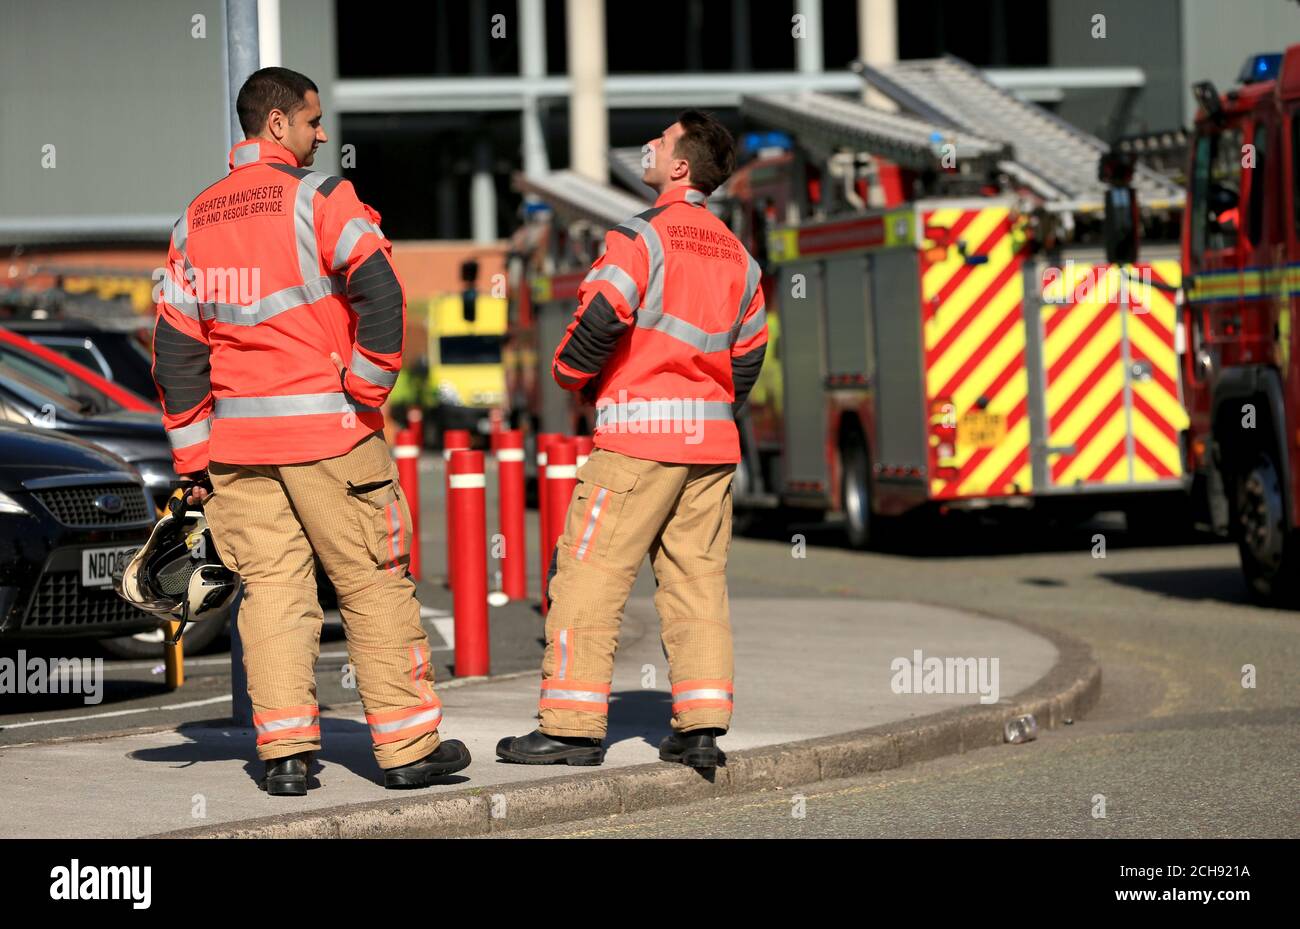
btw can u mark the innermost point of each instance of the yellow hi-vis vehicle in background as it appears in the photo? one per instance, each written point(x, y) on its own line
point(466, 376)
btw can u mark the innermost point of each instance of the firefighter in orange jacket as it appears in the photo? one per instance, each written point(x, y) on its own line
point(275, 275)
point(669, 335)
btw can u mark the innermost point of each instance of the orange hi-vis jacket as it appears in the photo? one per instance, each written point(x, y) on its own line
point(670, 334)
point(270, 270)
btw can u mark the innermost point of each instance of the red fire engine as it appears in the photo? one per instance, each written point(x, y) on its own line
point(1241, 265)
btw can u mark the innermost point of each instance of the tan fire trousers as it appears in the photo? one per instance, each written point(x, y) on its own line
point(266, 521)
point(622, 510)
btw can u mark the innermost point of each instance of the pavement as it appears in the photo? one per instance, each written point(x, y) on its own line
point(815, 702)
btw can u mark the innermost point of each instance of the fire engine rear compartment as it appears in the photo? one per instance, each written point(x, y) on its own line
point(1077, 368)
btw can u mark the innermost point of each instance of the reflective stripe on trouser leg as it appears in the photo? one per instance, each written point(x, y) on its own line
point(256, 530)
point(692, 602)
point(588, 595)
point(359, 540)
point(291, 723)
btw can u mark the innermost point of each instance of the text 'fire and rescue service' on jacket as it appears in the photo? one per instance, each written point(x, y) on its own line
point(244, 374)
point(670, 332)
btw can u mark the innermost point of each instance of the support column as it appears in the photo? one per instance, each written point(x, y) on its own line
point(808, 50)
point(532, 66)
point(588, 115)
point(878, 43)
point(483, 195)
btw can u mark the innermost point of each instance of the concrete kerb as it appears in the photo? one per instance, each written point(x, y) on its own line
point(1067, 692)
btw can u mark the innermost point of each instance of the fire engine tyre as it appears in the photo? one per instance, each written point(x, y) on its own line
point(1270, 550)
point(855, 497)
point(196, 639)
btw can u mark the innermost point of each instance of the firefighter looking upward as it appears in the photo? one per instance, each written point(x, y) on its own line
point(669, 336)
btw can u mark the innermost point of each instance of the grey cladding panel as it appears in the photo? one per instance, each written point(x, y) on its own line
point(900, 384)
point(801, 300)
point(848, 314)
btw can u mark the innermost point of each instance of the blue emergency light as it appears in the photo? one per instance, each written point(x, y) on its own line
point(1264, 67)
point(751, 143)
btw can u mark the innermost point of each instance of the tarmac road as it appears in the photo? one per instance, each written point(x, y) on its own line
point(1177, 747)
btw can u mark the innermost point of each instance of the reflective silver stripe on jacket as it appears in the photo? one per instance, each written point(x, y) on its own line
point(644, 411)
point(367, 370)
point(703, 694)
point(652, 305)
point(260, 311)
point(622, 281)
point(180, 235)
point(348, 239)
point(177, 296)
point(586, 696)
point(754, 326)
point(193, 434)
point(652, 314)
point(753, 275)
point(304, 221)
point(696, 196)
point(246, 155)
point(289, 722)
point(290, 405)
point(432, 715)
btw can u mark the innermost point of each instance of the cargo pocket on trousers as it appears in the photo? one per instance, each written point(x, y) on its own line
point(220, 541)
point(384, 527)
point(602, 492)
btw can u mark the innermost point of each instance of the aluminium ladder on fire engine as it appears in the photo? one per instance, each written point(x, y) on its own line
point(1053, 158)
point(575, 197)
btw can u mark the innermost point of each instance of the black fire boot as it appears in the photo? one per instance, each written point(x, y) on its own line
point(448, 758)
point(697, 748)
point(539, 748)
point(287, 776)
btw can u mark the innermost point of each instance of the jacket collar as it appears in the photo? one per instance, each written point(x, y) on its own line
point(682, 194)
point(260, 151)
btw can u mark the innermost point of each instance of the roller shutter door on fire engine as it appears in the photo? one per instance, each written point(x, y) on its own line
point(1111, 407)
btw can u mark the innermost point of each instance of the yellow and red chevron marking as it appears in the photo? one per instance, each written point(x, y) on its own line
point(1085, 379)
point(975, 341)
point(1158, 412)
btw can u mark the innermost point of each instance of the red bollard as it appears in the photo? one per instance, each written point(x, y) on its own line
point(510, 474)
point(452, 440)
point(583, 445)
point(469, 587)
point(407, 454)
point(415, 423)
point(544, 440)
point(561, 478)
point(495, 423)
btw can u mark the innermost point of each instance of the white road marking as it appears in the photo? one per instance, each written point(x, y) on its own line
point(446, 627)
point(143, 709)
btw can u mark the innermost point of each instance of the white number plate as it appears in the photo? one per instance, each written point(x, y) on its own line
point(97, 564)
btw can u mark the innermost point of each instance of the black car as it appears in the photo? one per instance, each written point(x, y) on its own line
point(117, 354)
point(136, 436)
point(69, 513)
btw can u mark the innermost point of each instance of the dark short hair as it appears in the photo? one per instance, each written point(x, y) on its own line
point(708, 147)
point(270, 89)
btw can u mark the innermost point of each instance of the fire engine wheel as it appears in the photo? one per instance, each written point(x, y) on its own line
point(855, 496)
point(1267, 545)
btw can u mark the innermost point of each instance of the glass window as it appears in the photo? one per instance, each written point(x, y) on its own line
point(470, 350)
point(1216, 174)
point(1258, 183)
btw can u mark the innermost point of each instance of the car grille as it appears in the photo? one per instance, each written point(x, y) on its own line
point(75, 506)
point(61, 601)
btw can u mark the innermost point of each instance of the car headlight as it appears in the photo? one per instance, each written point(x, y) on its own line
point(156, 473)
point(9, 505)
